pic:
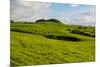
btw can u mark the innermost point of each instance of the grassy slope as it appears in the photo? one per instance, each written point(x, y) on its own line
point(30, 47)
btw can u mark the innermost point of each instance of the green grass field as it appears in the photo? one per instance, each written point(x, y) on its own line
point(51, 43)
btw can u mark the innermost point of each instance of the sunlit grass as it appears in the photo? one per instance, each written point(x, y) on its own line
point(30, 46)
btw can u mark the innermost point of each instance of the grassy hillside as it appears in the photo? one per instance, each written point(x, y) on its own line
point(51, 43)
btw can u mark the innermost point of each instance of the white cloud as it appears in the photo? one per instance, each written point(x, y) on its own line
point(21, 10)
point(83, 18)
point(74, 5)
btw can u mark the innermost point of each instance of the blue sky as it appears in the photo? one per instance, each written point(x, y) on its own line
point(70, 7)
point(67, 13)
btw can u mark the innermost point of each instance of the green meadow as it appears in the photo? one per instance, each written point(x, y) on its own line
point(51, 42)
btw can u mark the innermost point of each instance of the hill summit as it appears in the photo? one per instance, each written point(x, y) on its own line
point(49, 20)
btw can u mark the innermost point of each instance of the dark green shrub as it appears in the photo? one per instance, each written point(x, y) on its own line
point(68, 29)
point(84, 28)
point(93, 35)
point(80, 32)
point(80, 27)
point(66, 38)
point(54, 20)
point(41, 20)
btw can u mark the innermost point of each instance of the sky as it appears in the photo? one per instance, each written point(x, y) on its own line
point(67, 13)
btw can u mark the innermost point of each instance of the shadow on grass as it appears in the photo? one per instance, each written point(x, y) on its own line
point(65, 38)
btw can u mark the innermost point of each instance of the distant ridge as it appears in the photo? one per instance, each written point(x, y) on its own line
point(49, 20)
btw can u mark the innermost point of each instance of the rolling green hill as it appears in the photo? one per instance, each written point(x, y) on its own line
point(49, 42)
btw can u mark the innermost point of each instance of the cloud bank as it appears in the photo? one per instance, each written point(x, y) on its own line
point(67, 13)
